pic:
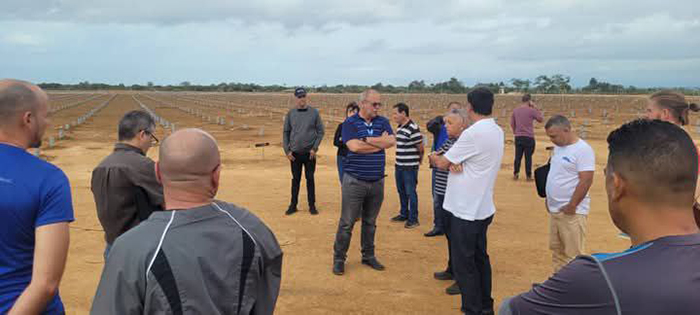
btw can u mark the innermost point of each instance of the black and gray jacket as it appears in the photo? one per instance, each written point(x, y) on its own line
point(214, 259)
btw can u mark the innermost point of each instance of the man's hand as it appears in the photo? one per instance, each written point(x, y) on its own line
point(290, 156)
point(456, 168)
point(312, 154)
point(568, 209)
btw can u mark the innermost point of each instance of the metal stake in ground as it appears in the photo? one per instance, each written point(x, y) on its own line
point(262, 146)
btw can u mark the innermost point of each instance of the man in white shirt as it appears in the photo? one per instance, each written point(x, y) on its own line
point(570, 177)
point(474, 161)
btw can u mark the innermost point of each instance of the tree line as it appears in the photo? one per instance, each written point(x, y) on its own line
point(542, 84)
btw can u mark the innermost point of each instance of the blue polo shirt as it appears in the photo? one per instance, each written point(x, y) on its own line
point(33, 193)
point(368, 167)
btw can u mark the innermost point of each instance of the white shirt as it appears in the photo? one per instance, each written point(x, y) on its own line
point(469, 194)
point(562, 180)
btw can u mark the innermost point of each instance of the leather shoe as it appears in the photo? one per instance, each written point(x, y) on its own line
point(399, 218)
point(373, 263)
point(313, 210)
point(338, 268)
point(290, 210)
point(443, 275)
point(453, 289)
point(434, 232)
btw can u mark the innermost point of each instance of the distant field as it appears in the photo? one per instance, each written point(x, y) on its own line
point(518, 237)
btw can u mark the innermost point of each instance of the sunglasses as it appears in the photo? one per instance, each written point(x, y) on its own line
point(376, 104)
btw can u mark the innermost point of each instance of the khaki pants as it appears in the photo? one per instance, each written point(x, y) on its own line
point(567, 238)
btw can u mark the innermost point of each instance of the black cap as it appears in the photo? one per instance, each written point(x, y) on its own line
point(300, 92)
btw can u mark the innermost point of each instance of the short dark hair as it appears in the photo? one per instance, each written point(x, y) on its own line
point(403, 108)
point(527, 97)
point(481, 100)
point(557, 120)
point(134, 122)
point(657, 158)
point(351, 107)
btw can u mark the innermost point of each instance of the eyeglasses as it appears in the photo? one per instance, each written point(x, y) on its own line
point(376, 104)
point(154, 139)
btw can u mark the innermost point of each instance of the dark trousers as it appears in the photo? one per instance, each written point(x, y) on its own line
point(524, 146)
point(438, 211)
point(471, 265)
point(303, 160)
point(361, 199)
point(406, 183)
point(445, 226)
point(340, 160)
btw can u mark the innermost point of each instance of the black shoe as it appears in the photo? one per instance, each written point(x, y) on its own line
point(411, 225)
point(374, 263)
point(434, 232)
point(453, 289)
point(443, 275)
point(290, 210)
point(312, 210)
point(399, 218)
point(338, 268)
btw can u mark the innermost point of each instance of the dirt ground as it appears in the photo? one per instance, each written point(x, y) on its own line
point(518, 237)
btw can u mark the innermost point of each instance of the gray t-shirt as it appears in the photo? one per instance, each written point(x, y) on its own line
point(658, 277)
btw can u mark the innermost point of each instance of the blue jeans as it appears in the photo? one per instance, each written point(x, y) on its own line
point(406, 182)
point(341, 166)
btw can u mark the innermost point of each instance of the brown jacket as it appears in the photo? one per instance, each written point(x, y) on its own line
point(125, 189)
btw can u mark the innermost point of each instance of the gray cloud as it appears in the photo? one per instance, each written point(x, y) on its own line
point(362, 41)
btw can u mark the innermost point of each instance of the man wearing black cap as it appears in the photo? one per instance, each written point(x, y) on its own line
point(303, 132)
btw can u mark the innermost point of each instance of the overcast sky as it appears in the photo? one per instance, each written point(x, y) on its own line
point(642, 43)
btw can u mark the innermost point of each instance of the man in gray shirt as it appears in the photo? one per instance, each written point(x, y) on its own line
point(303, 133)
point(201, 255)
point(659, 273)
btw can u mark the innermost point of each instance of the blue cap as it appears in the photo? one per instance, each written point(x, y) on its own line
point(300, 92)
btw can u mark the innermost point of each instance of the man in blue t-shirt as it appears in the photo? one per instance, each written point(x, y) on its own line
point(660, 273)
point(366, 135)
point(35, 207)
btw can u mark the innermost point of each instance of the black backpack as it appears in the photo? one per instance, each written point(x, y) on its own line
point(541, 174)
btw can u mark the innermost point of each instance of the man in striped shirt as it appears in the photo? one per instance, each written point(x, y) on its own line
point(409, 156)
point(455, 122)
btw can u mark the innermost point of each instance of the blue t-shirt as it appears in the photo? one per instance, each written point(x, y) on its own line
point(33, 193)
point(368, 167)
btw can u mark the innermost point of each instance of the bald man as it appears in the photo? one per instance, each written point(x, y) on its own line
point(35, 206)
point(201, 255)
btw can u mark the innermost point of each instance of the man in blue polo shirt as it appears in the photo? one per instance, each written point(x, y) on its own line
point(35, 206)
point(366, 135)
point(660, 273)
